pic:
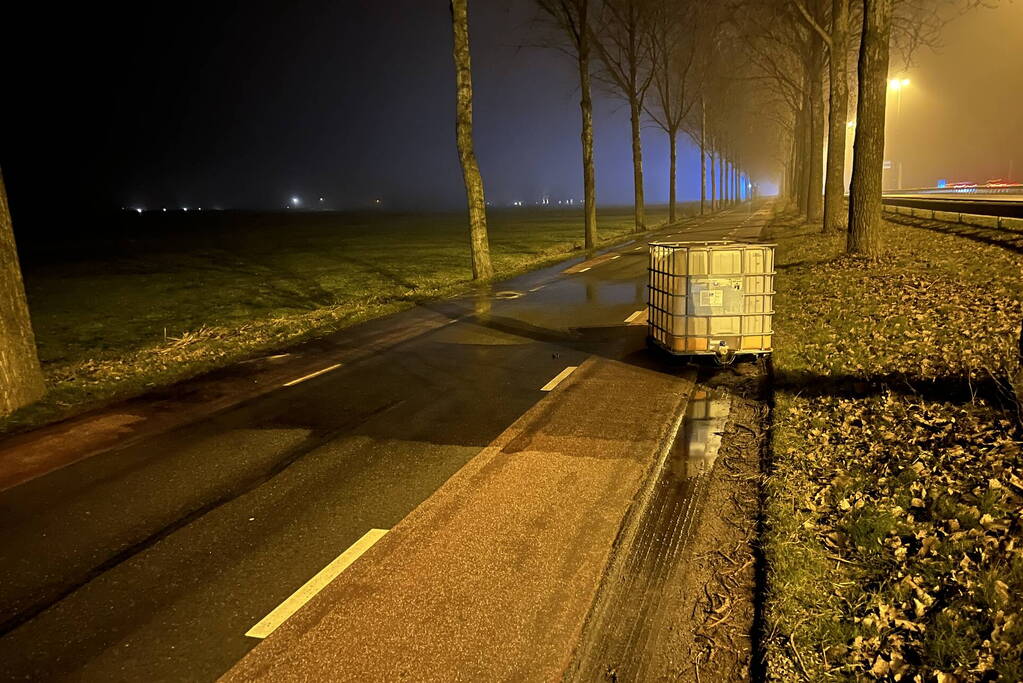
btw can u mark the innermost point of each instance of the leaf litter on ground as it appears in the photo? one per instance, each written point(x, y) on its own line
point(893, 526)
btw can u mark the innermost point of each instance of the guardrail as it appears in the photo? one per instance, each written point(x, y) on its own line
point(979, 220)
point(978, 204)
point(1010, 188)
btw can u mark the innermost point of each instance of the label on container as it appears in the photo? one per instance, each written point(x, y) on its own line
point(711, 295)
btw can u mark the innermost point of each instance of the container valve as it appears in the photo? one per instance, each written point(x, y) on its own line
point(723, 354)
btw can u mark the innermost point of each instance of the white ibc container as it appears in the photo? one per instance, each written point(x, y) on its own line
point(711, 297)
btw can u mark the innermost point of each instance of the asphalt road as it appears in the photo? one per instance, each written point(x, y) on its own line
point(150, 562)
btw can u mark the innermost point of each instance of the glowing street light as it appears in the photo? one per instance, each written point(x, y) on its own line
point(897, 85)
point(295, 201)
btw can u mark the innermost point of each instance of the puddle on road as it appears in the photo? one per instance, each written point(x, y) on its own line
point(700, 437)
point(573, 303)
point(632, 610)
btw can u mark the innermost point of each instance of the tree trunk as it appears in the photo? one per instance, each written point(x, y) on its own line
point(802, 158)
point(703, 156)
point(713, 184)
point(21, 380)
point(815, 191)
point(868, 148)
point(733, 179)
point(726, 190)
point(838, 111)
point(637, 163)
point(785, 183)
point(790, 177)
point(478, 242)
point(672, 169)
point(586, 105)
point(731, 185)
point(720, 180)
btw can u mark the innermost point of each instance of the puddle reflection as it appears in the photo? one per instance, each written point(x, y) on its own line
point(700, 437)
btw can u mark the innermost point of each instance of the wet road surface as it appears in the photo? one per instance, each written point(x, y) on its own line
point(151, 562)
point(634, 605)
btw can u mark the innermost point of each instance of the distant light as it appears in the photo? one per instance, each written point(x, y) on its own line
point(185, 209)
point(321, 199)
point(165, 209)
point(138, 210)
point(199, 209)
point(295, 201)
point(378, 201)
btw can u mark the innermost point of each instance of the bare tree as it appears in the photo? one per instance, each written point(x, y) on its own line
point(674, 33)
point(779, 48)
point(835, 40)
point(868, 149)
point(622, 40)
point(571, 18)
point(703, 154)
point(21, 380)
point(478, 243)
point(838, 113)
point(814, 76)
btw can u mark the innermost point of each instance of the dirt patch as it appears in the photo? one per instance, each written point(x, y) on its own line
point(681, 602)
point(713, 631)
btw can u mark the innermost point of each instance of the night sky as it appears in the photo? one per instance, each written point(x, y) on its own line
point(243, 105)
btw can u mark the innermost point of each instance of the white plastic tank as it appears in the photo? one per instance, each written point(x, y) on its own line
point(711, 297)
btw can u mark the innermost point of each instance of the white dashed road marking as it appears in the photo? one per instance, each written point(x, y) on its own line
point(635, 315)
point(310, 588)
point(311, 375)
point(559, 378)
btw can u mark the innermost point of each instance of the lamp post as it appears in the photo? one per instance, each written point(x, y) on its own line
point(897, 85)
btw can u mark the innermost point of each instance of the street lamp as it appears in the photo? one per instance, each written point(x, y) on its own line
point(897, 85)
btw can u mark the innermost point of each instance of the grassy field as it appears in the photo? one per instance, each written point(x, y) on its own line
point(166, 297)
point(894, 541)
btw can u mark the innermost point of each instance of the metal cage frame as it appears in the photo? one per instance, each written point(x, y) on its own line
point(660, 290)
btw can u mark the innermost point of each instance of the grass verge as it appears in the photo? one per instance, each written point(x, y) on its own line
point(180, 295)
point(894, 541)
